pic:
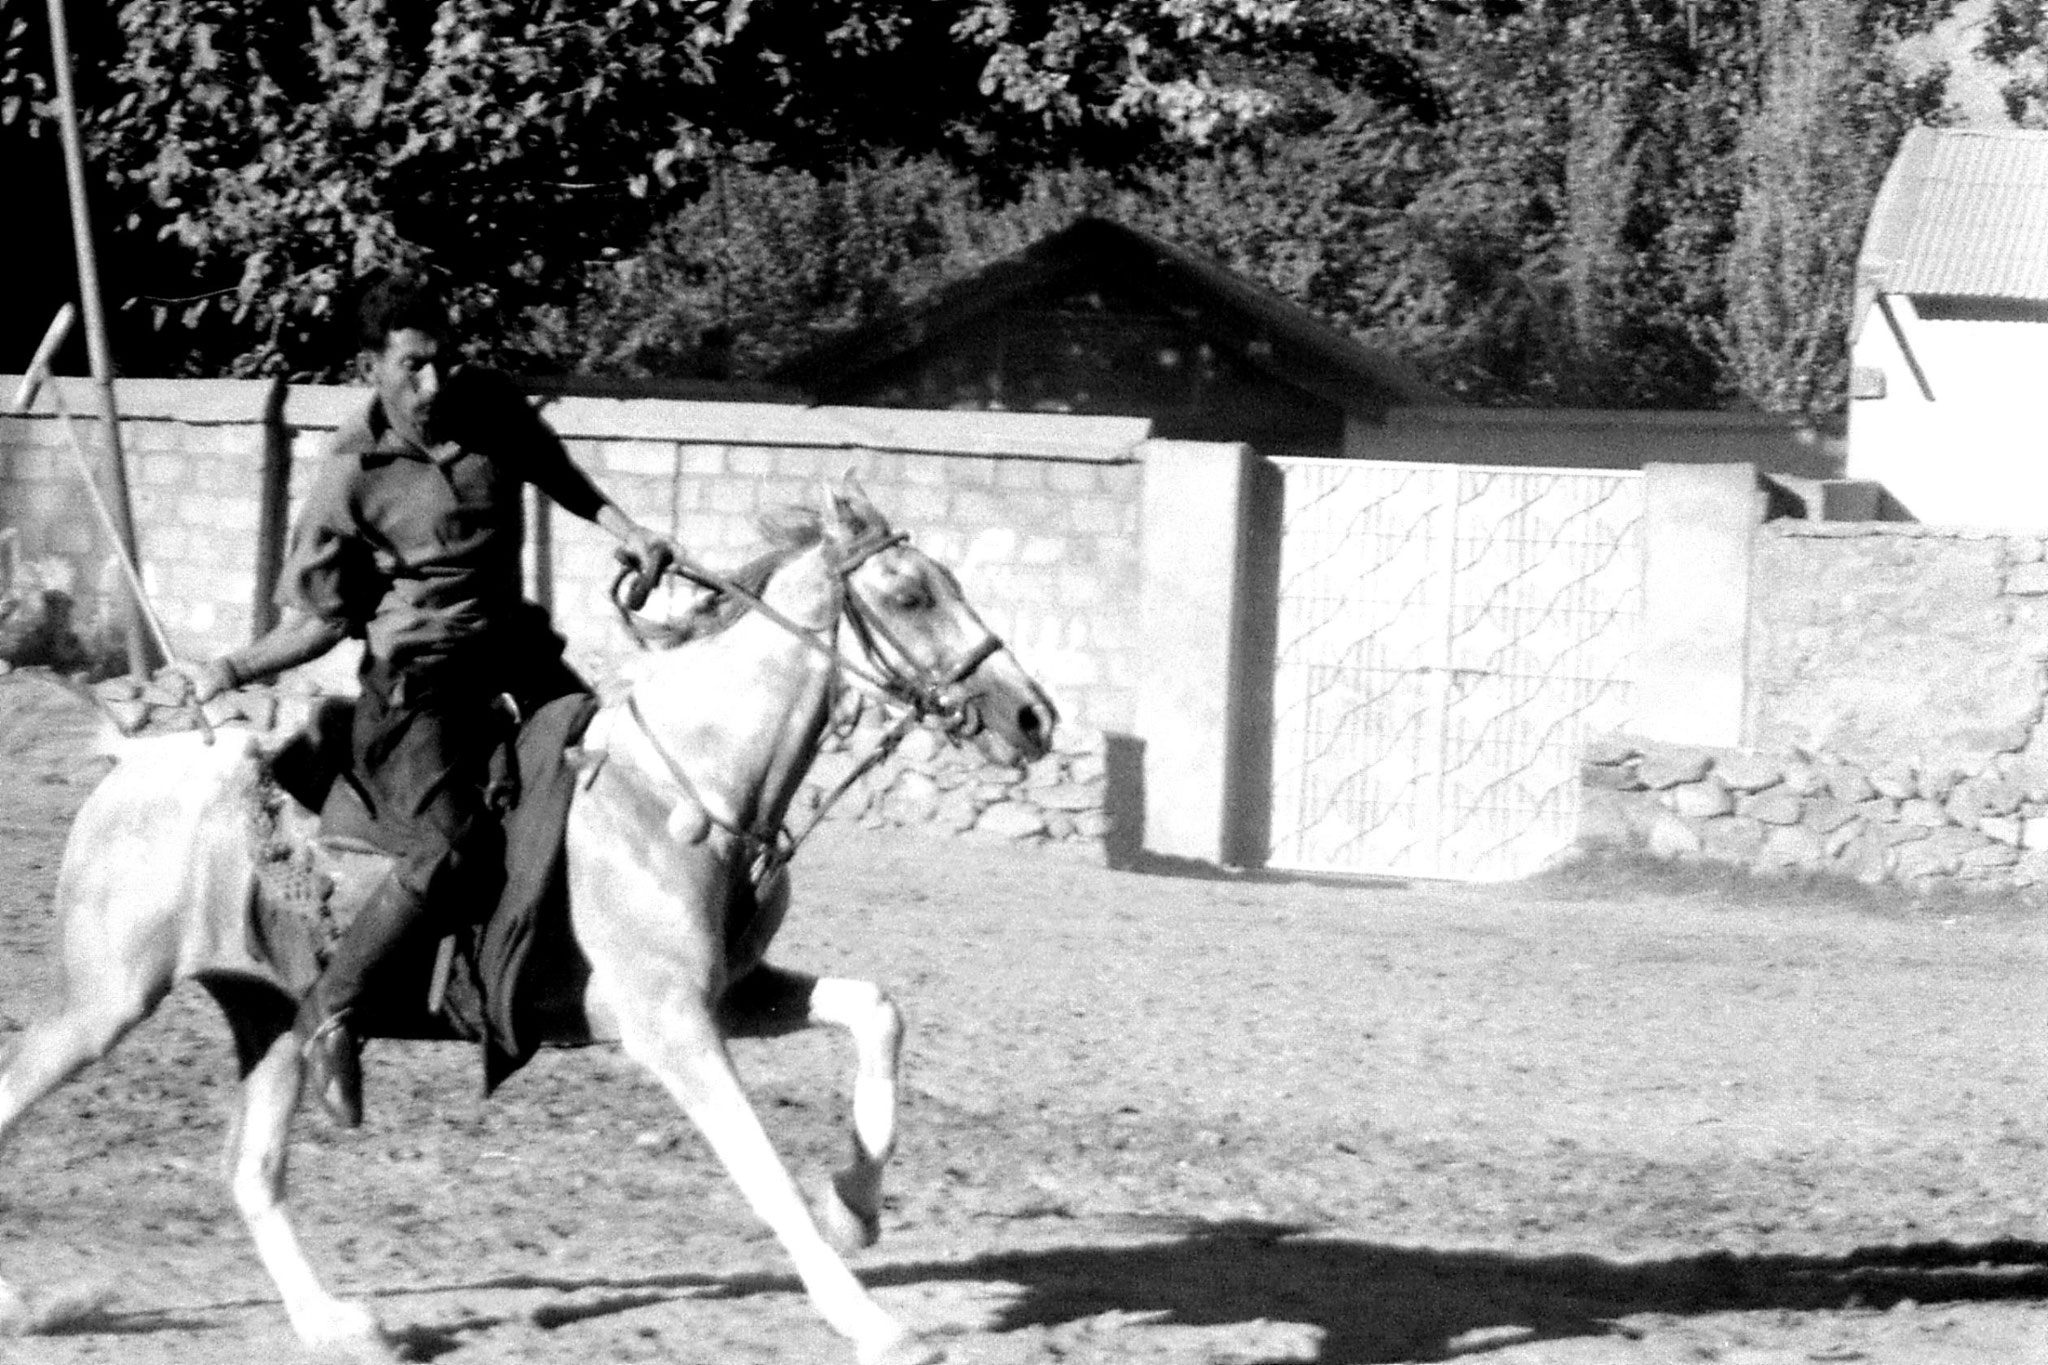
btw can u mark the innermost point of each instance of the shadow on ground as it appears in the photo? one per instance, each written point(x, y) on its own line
point(1371, 1302)
point(1384, 1303)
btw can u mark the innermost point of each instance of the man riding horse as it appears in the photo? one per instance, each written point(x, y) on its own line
point(411, 541)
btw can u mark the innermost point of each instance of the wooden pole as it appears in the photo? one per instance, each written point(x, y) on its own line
point(273, 506)
point(140, 659)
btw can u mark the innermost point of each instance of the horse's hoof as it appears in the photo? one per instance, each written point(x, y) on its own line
point(343, 1331)
point(905, 1348)
point(21, 1316)
point(845, 1227)
point(14, 1314)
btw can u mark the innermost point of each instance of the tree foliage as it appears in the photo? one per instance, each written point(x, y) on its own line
point(1538, 201)
point(2016, 38)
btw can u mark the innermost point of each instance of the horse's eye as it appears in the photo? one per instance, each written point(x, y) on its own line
point(910, 596)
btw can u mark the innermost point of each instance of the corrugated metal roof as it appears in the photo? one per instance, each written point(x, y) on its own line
point(1963, 213)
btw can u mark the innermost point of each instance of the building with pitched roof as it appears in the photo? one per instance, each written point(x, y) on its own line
point(1105, 319)
point(1949, 391)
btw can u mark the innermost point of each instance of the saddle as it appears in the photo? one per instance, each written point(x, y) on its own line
point(314, 874)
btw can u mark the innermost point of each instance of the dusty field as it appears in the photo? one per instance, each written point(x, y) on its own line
point(1147, 1120)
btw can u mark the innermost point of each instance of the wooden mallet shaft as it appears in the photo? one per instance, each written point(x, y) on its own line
point(24, 397)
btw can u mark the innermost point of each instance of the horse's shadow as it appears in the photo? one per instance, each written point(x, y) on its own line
point(1374, 1302)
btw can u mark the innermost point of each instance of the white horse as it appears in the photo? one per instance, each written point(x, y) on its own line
point(692, 771)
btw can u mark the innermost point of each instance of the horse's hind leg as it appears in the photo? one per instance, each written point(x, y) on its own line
point(261, 1018)
point(772, 1001)
point(96, 1014)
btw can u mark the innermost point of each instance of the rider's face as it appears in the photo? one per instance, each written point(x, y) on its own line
point(407, 375)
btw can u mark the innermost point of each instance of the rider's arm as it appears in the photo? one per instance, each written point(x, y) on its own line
point(544, 461)
point(299, 638)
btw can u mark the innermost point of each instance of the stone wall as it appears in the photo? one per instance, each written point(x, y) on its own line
point(1895, 687)
point(1037, 514)
point(1886, 640)
point(1894, 821)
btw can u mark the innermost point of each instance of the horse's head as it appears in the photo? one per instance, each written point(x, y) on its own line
point(918, 629)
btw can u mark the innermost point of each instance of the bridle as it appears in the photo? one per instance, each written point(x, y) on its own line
point(884, 666)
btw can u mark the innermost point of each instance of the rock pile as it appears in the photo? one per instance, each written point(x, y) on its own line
point(1891, 822)
point(931, 785)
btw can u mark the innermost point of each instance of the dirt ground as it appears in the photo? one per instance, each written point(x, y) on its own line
point(1147, 1119)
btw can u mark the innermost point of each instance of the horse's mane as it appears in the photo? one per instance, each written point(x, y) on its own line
point(789, 532)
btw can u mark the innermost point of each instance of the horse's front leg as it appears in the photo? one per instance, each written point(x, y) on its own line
point(772, 1001)
point(679, 1040)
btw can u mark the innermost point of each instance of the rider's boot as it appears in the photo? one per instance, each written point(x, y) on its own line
point(327, 1041)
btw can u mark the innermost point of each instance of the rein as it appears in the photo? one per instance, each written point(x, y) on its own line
point(896, 676)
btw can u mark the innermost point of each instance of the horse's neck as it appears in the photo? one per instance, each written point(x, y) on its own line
point(743, 711)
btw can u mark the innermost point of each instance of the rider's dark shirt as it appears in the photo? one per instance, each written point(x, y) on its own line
point(418, 550)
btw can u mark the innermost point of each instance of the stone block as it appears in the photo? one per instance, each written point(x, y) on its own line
point(956, 811)
point(1895, 780)
point(1894, 835)
point(2029, 774)
point(1667, 768)
point(1987, 860)
point(701, 461)
point(1672, 838)
point(1980, 797)
point(1021, 473)
point(1926, 814)
point(1093, 824)
point(750, 462)
point(1921, 859)
point(1733, 840)
point(1825, 814)
point(1773, 807)
point(1011, 820)
point(1804, 779)
point(1749, 772)
point(1866, 859)
point(2032, 867)
point(1937, 780)
point(1619, 777)
point(1702, 800)
point(1791, 846)
point(1603, 823)
point(913, 800)
point(1068, 796)
point(2027, 580)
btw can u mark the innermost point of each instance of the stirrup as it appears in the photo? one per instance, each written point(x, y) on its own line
point(332, 1056)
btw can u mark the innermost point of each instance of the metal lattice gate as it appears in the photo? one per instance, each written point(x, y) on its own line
point(1448, 637)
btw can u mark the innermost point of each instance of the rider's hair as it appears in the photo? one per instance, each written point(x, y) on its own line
point(394, 301)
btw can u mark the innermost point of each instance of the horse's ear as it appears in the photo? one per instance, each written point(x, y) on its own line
point(848, 510)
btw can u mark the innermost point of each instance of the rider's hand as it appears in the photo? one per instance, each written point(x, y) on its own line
point(647, 552)
point(650, 556)
point(209, 679)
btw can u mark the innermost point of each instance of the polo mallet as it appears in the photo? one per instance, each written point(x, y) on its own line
point(24, 399)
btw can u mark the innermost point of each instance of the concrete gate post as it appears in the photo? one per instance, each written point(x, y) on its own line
point(1199, 551)
point(1698, 521)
